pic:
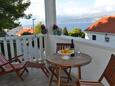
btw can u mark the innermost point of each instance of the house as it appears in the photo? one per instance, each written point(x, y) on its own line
point(13, 31)
point(102, 31)
point(24, 30)
point(19, 31)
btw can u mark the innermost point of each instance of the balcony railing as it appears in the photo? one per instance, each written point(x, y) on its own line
point(30, 46)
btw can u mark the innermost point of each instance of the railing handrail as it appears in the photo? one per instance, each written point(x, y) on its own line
point(11, 45)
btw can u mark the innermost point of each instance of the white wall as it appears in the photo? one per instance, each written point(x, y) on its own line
point(99, 53)
point(100, 37)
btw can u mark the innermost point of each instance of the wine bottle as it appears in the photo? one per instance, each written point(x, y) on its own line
point(72, 47)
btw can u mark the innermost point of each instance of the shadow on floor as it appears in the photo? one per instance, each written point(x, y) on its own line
point(35, 77)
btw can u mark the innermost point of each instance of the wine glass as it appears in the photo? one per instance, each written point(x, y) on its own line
point(78, 52)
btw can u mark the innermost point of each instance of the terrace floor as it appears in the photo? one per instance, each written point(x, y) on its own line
point(35, 77)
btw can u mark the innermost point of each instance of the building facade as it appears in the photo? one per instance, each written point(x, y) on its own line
point(102, 31)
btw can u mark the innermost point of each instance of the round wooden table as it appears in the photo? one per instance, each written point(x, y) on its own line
point(77, 61)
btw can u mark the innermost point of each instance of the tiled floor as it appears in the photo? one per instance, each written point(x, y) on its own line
point(35, 77)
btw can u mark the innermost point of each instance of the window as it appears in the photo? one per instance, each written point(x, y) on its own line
point(93, 37)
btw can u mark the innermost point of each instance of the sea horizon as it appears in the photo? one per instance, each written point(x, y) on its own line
point(68, 22)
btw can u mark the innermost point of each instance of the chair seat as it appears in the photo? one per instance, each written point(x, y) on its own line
point(85, 83)
point(16, 66)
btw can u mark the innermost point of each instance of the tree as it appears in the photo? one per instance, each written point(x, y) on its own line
point(38, 28)
point(82, 35)
point(77, 32)
point(11, 11)
point(65, 31)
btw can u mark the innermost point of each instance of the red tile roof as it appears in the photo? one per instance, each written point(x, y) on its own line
point(105, 24)
point(30, 30)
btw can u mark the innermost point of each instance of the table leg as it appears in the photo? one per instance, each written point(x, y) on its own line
point(59, 77)
point(79, 72)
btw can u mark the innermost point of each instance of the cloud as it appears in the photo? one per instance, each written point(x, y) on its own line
point(70, 8)
point(73, 8)
point(104, 5)
point(37, 8)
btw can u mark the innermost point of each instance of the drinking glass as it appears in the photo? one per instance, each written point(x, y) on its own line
point(78, 53)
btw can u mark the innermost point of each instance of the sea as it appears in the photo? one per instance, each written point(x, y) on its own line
point(73, 22)
point(69, 22)
point(71, 25)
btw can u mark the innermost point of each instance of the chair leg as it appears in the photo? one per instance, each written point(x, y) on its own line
point(26, 70)
point(19, 75)
point(51, 79)
point(53, 71)
point(45, 71)
point(68, 74)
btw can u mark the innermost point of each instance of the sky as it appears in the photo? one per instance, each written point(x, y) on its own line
point(84, 7)
point(81, 8)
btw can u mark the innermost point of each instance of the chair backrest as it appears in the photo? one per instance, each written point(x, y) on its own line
point(4, 63)
point(62, 46)
point(109, 72)
point(2, 59)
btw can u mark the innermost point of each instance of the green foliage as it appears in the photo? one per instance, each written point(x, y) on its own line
point(2, 33)
point(82, 35)
point(65, 31)
point(56, 30)
point(43, 29)
point(11, 11)
point(59, 31)
point(38, 28)
point(75, 32)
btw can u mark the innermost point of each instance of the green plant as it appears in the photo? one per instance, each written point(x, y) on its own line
point(59, 32)
point(65, 31)
point(43, 29)
point(38, 28)
point(11, 11)
point(77, 32)
point(2, 33)
point(56, 30)
point(82, 35)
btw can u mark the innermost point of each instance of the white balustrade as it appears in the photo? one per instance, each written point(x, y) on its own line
point(27, 45)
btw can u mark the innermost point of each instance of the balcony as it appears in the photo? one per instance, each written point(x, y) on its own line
point(34, 46)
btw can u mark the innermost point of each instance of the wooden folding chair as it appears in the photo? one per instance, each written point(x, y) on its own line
point(53, 68)
point(8, 66)
point(108, 74)
point(60, 46)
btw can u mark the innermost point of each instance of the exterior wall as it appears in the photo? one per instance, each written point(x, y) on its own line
point(99, 53)
point(100, 37)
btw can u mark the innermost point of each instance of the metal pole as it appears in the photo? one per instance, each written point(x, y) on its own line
point(33, 25)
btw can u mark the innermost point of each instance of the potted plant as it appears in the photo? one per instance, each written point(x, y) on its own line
point(56, 30)
point(43, 29)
